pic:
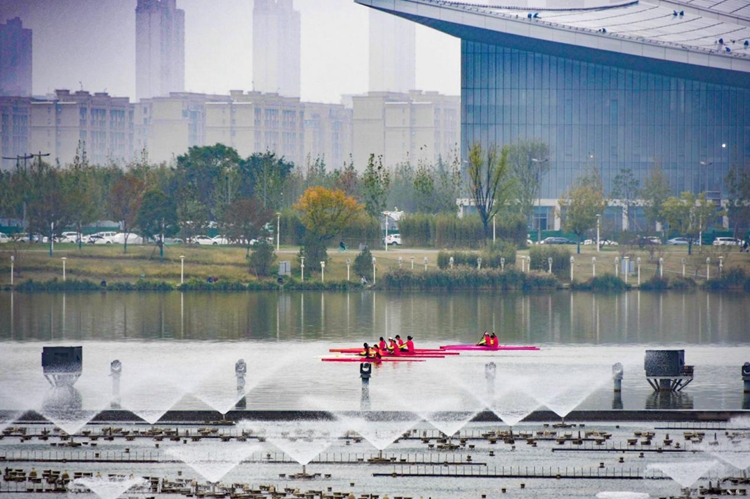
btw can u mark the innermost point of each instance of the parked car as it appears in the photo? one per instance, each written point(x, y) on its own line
point(392, 239)
point(202, 240)
point(104, 237)
point(119, 238)
point(33, 238)
point(220, 240)
point(678, 241)
point(172, 240)
point(727, 241)
point(645, 241)
point(608, 242)
point(557, 240)
point(4, 238)
point(70, 237)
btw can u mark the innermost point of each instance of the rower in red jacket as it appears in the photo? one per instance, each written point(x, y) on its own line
point(409, 345)
point(400, 342)
point(382, 345)
point(494, 341)
point(393, 348)
point(485, 341)
point(367, 351)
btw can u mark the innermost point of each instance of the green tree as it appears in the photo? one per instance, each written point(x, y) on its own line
point(263, 175)
point(262, 259)
point(627, 189)
point(655, 191)
point(363, 263)
point(738, 202)
point(490, 182)
point(375, 184)
point(245, 220)
point(124, 201)
point(347, 179)
point(581, 203)
point(689, 216)
point(401, 193)
point(211, 176)
point(47, 208)
point(157, 215)
point(529, 163)
point(82, 192)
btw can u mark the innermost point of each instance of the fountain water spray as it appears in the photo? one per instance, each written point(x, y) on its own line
point(684, 473)
point(212, 460)
point(107, 488)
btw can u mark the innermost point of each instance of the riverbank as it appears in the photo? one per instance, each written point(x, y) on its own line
point(142, 267)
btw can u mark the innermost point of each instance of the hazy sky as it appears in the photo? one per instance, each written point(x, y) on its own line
point(93, 42)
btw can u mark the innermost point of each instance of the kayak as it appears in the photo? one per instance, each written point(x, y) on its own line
point(480, 348)
point(418, 351)
point(372, 361)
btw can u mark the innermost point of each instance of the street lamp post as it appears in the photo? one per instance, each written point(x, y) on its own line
point(539, 200)
point(661, 268)
point(708, 268)
point(348, 263)
point(302, 268)
point(598, 242)
point(683, 267)
point(385, 239)
point(425, 263)
point(617, 266)
point(412, 263)
point(572, 262)
point(479, 263)
point(400, 262)
point(638, 262)
point(549, 262)
point(627, 267)
point(323, 271)
point(182, 269)
point(278, 230)
point(450, 262)
point(12, 261)
point(63, 260)
point(721, 265)
point(374, 267)
point(593, 266)
point(502, 263)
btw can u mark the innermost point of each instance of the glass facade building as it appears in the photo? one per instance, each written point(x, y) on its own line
point(611, 118)
point(606, 84)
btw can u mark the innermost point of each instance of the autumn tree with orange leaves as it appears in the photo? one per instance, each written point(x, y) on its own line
point(325, 213)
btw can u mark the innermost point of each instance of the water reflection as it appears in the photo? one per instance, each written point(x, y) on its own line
point(557, 318)
point(668, 400)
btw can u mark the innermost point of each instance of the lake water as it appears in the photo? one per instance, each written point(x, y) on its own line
point(183, 347)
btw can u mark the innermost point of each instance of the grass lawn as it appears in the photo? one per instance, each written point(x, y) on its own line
point(32, 261)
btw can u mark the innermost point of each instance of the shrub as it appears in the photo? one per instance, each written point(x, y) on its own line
point(560, 259)
point(363, 263)
point(262, 259)
point(656, 283)
point(314, 251)
point(493, 253)
point(204, 285)
point(606, 282)
point(466, 278)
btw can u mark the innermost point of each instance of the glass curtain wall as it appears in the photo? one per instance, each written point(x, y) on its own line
point(605, 117)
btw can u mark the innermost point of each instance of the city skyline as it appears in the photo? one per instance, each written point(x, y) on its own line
point(334, 47)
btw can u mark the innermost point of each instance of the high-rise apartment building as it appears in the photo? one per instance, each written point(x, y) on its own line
point(160, 48)
point(276, 48)
point(102, 124)
point(415, 126)
point(393, 53)
point(15, 58)
point(15, 117)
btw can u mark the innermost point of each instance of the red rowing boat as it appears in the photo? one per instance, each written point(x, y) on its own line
point(481, 348)
point(370, 360)
point(417, 351)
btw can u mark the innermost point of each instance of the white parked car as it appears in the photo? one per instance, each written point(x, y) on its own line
point(34, 238)
point(69, 237)
point(726, 241)
point(202, 240)
point(119, 238)
point(392, 239)
point(220, 240)
point(4, 238)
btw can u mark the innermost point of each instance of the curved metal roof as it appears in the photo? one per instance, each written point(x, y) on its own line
point(709, 33)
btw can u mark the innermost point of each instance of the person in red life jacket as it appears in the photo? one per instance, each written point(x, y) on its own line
point(494, 341)
point(393, 348)
point(485, 341)
point(400, 342)
point(409, 345)
point(382, 345)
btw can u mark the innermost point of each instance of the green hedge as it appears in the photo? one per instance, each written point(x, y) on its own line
point(606, 282)
point(449, 231)
point(467, 278)
point(491, 256)
point(364, 230)
point(560, 259)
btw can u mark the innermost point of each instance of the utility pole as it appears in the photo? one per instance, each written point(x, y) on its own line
point(18, 159)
